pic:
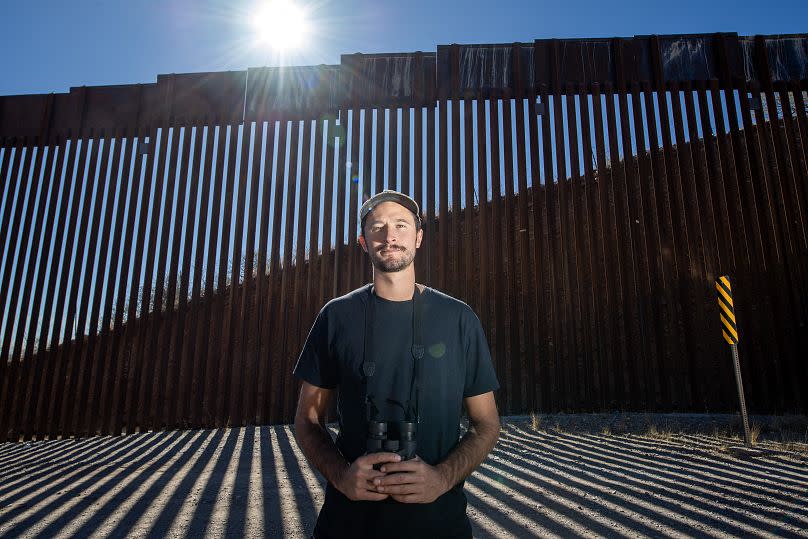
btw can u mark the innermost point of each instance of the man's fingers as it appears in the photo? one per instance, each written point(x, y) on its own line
point(367, 461)
point(411, 465)
point(407, 488)
point(397, 479)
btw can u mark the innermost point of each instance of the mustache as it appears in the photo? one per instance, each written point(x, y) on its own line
point(390, 248)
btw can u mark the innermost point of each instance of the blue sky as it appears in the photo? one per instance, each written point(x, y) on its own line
point(49, 45)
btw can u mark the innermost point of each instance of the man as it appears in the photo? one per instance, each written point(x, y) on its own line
point(395, 352)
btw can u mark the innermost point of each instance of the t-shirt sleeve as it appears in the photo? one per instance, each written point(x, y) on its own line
point(315, 364)
point(480, 375)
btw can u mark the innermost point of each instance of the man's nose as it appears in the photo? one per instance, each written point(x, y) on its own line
point(390, 234)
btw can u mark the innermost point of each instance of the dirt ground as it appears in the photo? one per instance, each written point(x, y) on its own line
point(549, 476)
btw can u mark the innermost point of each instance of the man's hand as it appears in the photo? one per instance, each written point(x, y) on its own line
point(411, 481)
point(357, 481)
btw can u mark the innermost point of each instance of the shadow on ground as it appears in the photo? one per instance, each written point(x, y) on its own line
point(254, 482)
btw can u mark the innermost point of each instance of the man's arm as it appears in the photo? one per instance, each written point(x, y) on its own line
point(415, 481)
point(354, 480)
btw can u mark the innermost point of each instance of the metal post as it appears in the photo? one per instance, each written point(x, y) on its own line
point(746, 437)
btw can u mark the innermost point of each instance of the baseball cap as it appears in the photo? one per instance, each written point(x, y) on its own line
point(389, 195)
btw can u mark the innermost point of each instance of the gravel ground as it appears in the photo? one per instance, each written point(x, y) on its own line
point(590, 475)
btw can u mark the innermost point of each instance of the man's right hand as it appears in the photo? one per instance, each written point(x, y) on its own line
point(356, 481)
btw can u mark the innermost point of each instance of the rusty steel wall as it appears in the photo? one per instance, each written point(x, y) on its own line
point(167, 246)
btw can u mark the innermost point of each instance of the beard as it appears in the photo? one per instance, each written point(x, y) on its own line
point(392, 265)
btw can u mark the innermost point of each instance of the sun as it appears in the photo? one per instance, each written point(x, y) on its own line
point(280, 24)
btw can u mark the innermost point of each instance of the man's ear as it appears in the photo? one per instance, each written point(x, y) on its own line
point(363, 244)
point(419, 238)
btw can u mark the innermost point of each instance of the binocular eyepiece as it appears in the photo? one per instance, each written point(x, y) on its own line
point(398, 437)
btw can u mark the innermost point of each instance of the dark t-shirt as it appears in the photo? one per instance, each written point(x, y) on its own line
point(456, 364)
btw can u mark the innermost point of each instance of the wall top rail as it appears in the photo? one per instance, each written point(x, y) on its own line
point(403, 79)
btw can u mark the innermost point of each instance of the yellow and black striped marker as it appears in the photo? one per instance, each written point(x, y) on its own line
point(729, 326)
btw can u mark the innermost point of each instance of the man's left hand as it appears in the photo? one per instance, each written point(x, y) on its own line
point(412, 481)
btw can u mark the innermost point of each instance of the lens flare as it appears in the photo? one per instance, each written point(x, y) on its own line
point(280, 24)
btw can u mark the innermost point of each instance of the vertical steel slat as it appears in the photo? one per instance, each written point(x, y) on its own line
point(513, 311)
point(649, 246)
point(551, 291)
point(286, 320)
point(183, 329)
point(85, 343)
point(312, 300)
point(418, 187)
point(302, 267)
point(153, 285)
point(658, 208)
point(594, 254)
point(231, 415)
point(636, 268)
point(484, 228)
point(736, 222)
point(210, 321)
point(795, 290)
point(627, 175)
point(55, 222)
point(165, 401)
point(96, 405)
point(381, 136)
point(326, 277)
point(701, 208)
point(617, 347)
point(354, 260)
point(121, 254)
point(364, 269)
point(225, 302)
point(527, 264)
point(263, 284)
point(20, 297)
point(405, 151)
point(273, 307)
point(76, 304)
point(798, 175)
point(789, 219)
point(574, 214)
point(541, 350)
point(469, 215)
point(125, 374)
point(135, 358)
point(248, 314)
point(20, 166)
point(198, 325)
point(690, 247)
point(499, 348)
point(439, 261)
point(452, 263)
point(340, 258)
point(430, 232)
point(393, 179)
point(772, 254)
point(563, 236)
point(88, 367)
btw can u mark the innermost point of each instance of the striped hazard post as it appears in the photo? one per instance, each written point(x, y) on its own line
point(729, 329)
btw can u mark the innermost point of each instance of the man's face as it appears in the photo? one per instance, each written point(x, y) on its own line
point(390, 237)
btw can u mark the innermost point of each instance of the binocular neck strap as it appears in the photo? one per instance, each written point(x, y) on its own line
point(369, 359)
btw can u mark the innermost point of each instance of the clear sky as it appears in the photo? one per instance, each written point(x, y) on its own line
point(51, 45)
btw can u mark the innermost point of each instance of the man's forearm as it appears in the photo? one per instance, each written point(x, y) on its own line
point(321, 451)
point(478, 441)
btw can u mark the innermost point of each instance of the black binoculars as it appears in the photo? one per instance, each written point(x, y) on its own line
point(394, 436)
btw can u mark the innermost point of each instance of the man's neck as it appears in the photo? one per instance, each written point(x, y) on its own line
point(395, 286)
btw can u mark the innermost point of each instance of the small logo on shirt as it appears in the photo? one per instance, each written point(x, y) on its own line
point(437, 350)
